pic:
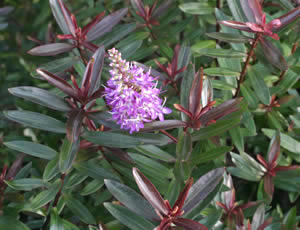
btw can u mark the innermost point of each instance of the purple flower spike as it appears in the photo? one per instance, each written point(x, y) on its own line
point(132, 94)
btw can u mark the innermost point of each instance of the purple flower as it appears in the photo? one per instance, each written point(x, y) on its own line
point(132, 94)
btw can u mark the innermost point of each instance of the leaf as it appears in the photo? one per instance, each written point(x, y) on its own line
point(215, 129)
point(286, 142)
point(165, 125)
point(202, 188)
point(236, 10)
point(67, 155)
point(189, 224)
point(249, 96)
point(51, 49)
point(36, 120)
point(131, 199)
point(164, 6)
point(210, 155)
point(92, 76)
point(79, 210)
point(229, 37)
point(259, 86)
point(186, 85)
point(33, 149)
point(106, 24)
point(26, 184)
point(221, 72)
point(184, 146)
point(120, 140)
point(51, 169)
point(290, 220)
point(184, 57)
point(289, 17)
point(273, 55)
point(289, 80)
point(91, 187)
point(41, 97)
point(74, 124)
point(237, 138)
point(155, 152)
point(93, 170)
point(128, 218)
point(8, 222)
point(259, 217)
point(274, 149)
point(150, 192)
point(56, 223)
point(6, 10)
point(196, 8)
point(46, 196)
point(223, 53)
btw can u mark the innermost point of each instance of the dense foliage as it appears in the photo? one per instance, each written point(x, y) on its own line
point(145, 114)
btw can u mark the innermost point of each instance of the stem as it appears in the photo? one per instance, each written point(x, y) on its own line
point(295, 46)
point(174, 139)
point(243, 73)
point(45, 225)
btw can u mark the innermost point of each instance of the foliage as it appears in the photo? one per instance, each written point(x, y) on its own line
point(130, 102)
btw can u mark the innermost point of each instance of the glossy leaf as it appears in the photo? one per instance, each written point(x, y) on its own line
point(210, 155)
point(131, 199)
point(67, 155)
point(51, 49)
point(36, 120)
point(51, 169)
point(274, 149)
point(33, 149)
point(165, 125)
point(223, 53)
point(74, 124)
point(41, 97)
point(189, 224)
point(162, 8)
point(221, 72)
point(258, 218)
point(228, 37)
point(9, 222)
point(150, 192)
point(196, 8)
point(155, 152)
point(91, 187)
point(26, 184)
point(128, 218)
point(202, 188)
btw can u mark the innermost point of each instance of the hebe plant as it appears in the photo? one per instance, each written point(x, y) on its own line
point(165, 113)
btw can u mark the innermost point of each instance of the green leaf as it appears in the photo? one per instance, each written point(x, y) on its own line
point(8, 222)
point(91, 187)
point(210, 155)
point(221, 72)
point(33, 149)
point(237, 138)
point(155, 152)
point(56, 223)
point(219, 53)
point(94, 171)
point(79, 210)
point(196, 8)
point(184, 146)
point(36, 120)
point(259, 86)
point(121, 140)
point(26, 184)
point(186, 84)
point(249, 96)
point(286, 142)
point(290, 221)
point(128, 218)
point(67, 155)
point(51, 169)
point(289, 80)
point(229, 37)
point(46, 196)
point(41, 97)
point(131, 199)
point(215, 129)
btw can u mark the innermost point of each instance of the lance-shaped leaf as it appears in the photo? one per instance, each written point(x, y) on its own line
point(41, 97)
point(149, 192)
point(288, 18)
point(58, 82)
point(236, 25)
point(274, 149)
point(202, 188)
point(9, 222)
point(162, 8)
point(269, 185)
point(258, 218)
point(26, 184)
point(74, 124)
point(68, 18)
point(67, 155)
point(195, 104)
point(51, 49)
point(188, 224)
point(165, 125)
point(57, 12)
point(229, 37)
point(253, 10)
point(273, 55)
point(131, 199)
point(91, 79)
point(106, 24)
point(183, 195)
point(220, 53)
point(139, 7)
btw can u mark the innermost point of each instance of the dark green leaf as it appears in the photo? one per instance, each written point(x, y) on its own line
point(26, 184)
point(8, 222)
point(67, 155)
point(228, 37)
point(221, 72)
point(197, 8)
point(220, 53)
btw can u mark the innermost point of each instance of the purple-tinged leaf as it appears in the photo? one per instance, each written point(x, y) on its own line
point(273, 55)
point(59, 17)
point(165, 125)
point(139, 7)
point(268, 185)
point(227, 196)
point(51, 49)
point(265, 224)
point(188, 224)
point(286, 168)
point(236, 25)
point(255, 9)
point(121, 154)
point(74, 124)
point(183, 195)
point(6, 10)
point(258, 218)
point(288, 18)
point(202, 188)
point(274, 149)
point(195, 94)
point(15, 167)
point(58, 83)
point(95, 21)
point(150, 192)
point(92, 75)
point(106, 24)
point(222, 110)
point(159, 11)
point(68, 18)
point(131, 199)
